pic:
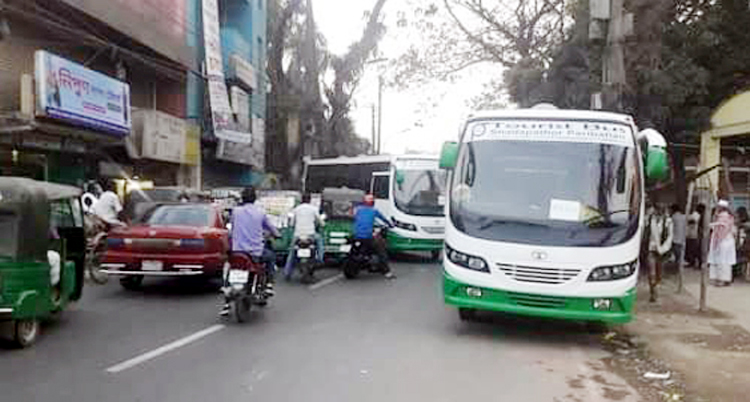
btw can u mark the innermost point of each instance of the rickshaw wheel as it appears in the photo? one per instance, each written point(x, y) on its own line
point(25, 332)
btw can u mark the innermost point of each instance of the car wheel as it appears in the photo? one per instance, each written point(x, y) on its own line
point(467, 314)
point(25, 332)
point(131, 282)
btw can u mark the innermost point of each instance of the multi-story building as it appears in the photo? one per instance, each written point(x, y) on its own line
point(92, 88)
point(235, 32)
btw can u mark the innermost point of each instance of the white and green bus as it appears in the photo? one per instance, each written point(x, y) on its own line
point(545, 213)
point(408, 189)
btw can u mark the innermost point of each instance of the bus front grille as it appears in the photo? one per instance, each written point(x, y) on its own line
point(546, 276)
point(540, 301)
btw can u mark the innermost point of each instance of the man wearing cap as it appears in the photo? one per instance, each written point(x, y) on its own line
point(364, 224)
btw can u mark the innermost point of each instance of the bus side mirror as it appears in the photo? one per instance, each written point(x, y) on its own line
point(400, 177)
point(449, 155)
point(657, 167)
point(656, 164)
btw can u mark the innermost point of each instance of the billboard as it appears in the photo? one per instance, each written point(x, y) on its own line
point(72, 93)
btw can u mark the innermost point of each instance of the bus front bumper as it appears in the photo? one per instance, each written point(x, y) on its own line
point(400, 243)
point(459, 294)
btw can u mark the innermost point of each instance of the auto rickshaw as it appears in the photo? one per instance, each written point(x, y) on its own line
point(338, 206)
point(42, 254)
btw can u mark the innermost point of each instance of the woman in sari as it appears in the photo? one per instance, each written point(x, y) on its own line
point(722, 254)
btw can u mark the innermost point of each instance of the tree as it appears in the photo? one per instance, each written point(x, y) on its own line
point(347, 70)
point(519, 37)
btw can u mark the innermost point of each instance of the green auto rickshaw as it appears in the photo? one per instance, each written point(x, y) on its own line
point(42, 253)
point(337, 204)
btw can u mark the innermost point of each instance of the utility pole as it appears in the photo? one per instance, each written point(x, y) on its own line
point(614, 77)
point(380, 112)
point(374, 138)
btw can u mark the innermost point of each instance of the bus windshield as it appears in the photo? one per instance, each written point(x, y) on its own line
point(420, 192)
point(578, 194)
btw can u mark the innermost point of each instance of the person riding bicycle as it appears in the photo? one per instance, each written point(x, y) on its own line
point(364, 224)
point(249, 223)
point(306, 218)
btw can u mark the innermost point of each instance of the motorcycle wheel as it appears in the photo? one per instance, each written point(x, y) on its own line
point(239, 309)
point(306, 269)
point(94, 269)
point(351, 269)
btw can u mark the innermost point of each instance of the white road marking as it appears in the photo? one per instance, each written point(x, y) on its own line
point(326, 282)
point(164, 349)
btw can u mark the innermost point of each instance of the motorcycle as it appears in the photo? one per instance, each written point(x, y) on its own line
point(306, 250)
point(245, 285)
point(363, 256)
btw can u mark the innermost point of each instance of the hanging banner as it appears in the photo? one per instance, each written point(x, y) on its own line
point(71, 92)
point(224, 125)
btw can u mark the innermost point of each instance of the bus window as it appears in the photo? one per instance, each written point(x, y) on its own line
point(380, 187)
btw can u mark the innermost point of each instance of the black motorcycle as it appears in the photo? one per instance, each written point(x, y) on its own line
point(306, 250)
point(364, 257)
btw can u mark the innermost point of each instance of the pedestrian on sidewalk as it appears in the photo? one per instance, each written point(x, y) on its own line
point(693, 253)
point(679, 222)
point(722, 254)
point(661, 236)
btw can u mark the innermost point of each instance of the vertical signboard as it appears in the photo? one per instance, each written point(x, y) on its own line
point(71, 92)
point(221, 112)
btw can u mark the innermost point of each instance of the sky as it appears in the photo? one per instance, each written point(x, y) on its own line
point(412, 120)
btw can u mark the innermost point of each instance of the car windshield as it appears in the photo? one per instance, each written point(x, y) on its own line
point(181, 215)
point(420, 192)
point(547, 193)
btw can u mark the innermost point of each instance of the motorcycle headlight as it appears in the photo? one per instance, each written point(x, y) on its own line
point(466, 261)
point(613, 272)
point(404, 225)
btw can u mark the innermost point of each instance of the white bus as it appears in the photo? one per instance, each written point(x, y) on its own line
point(409, 190)
point(545, 213)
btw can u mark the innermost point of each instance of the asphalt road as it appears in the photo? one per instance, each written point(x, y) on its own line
point(363, 340)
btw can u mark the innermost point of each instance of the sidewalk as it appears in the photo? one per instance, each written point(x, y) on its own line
point(711, 350)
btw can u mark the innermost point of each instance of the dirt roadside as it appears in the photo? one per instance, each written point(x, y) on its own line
point(690, 356)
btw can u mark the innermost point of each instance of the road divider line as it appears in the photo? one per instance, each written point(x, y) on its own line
point(326, 282)
point(164, 349)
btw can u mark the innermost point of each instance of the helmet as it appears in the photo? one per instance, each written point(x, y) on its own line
point(369, 200)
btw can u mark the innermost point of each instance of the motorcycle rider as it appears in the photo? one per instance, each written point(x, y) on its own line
point(364, 223)
point(248, 225)
point(305, 220)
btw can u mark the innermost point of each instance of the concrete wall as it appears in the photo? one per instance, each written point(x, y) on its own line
point(158, 24)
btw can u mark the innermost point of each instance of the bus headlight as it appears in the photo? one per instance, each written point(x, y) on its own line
point(404, 225)
point(613, 272)
point(466, 261)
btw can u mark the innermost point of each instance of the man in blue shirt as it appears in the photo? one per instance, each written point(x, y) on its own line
point(364, 224)
point(249, 223)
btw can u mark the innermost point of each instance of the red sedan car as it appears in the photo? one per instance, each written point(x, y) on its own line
point(173, 240)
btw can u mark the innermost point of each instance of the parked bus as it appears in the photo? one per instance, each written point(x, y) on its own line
point(409, 190)
point(545, 213)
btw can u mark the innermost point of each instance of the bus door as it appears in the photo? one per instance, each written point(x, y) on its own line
point(380, 188)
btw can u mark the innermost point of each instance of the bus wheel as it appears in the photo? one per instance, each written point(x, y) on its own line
point(596, 327)
point(435, 254)
point(467, 314)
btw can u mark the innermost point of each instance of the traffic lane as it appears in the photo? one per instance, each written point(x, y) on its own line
point(372, 339)
point(107, 326)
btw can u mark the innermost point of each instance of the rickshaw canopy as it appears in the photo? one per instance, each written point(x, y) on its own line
point(25, 215)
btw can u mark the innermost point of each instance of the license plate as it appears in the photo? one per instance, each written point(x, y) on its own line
point(238, 276)
point(346, 248)
point(304, 253)
point(152, 265)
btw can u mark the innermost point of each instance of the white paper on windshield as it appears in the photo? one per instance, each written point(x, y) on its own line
point(563, 210)
point(552, 131)
point(441, 200)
